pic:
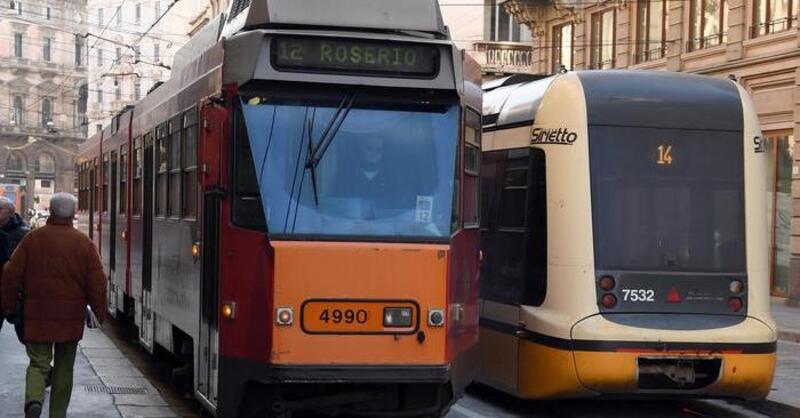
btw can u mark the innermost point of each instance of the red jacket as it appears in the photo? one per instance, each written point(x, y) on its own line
point(62, 273)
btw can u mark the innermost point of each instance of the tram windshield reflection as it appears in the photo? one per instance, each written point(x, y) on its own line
point(340, 168)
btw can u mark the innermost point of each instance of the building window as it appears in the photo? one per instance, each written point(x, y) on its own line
point(46, 13)
point(19, 8)
point(563, 46)
point(78, 49)
point(117, 90)
point(46, 117)
point(46, 42)
point(651, 34)
point(99, 57)
point(602, 50)
point(157, 8)
point(137, 54)
point(18, 45)
point(119, 15)
point(772, 16)
point(138, 15)
point(15, 162)
point(45, 164)
point(18, 111)
point(99, 92)
point(117, 55)
point(156, 52)
point(74, 113)
point(98, 127)
point(502, 26)
point(137, 89)
point(708, 20)
point(100, 16)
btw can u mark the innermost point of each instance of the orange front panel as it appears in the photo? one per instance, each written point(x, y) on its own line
point(358, 276)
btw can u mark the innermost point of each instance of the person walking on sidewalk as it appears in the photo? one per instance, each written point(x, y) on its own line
point(60, 272)
point(12, 229)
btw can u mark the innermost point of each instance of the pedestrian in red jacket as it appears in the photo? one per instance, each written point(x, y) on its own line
point(60, 271)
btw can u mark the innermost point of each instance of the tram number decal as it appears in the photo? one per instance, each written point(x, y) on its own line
point(639, 295)
point(665, 154)
point(347, 316)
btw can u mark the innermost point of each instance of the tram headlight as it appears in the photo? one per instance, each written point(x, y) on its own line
point(284, 316)
point(436, 317)
point(736, 287)
point(397, 317)
point(607, 283)
point(228, 310)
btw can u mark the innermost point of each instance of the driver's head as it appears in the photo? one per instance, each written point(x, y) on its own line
point(372, 151)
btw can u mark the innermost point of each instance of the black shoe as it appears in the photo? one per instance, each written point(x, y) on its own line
point(33, 410)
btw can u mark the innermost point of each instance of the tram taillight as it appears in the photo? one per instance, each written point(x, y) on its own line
point(609, 301)
point(735, 304)
point(607, 283)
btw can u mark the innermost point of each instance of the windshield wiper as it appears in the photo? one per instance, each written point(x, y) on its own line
point(315, 154)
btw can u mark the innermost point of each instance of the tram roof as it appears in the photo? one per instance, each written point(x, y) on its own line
point(383, 15)
point(657, 99)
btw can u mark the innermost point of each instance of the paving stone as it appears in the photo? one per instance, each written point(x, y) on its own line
point(139, 400)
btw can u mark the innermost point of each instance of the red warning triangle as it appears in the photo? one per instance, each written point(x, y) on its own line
point(673, 296)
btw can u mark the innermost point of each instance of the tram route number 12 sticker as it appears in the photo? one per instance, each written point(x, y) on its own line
point(424, 213)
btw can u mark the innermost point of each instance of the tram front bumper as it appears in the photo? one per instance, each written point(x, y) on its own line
point(732, 362)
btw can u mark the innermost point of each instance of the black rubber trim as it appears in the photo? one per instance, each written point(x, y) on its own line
point(360, 374)
point(508, 126)
point(613, 346)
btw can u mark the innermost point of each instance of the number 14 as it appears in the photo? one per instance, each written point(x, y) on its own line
point(665, 154)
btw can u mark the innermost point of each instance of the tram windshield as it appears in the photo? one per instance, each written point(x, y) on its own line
point(349, 165)
point(667, 200)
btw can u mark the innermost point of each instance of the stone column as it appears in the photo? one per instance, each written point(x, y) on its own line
point(675, 31)
point(737, 29)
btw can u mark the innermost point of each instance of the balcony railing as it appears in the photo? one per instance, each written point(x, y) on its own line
point(651, 54)
point(705, 41)
point(504, 57)
point(773, 26)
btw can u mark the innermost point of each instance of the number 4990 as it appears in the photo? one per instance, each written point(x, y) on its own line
point(347, 316)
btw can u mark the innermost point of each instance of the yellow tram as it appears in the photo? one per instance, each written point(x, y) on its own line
point(624, 236)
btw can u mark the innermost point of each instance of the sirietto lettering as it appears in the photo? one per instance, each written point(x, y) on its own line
point(553, 136)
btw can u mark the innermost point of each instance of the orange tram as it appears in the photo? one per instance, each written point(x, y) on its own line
point(295, 211)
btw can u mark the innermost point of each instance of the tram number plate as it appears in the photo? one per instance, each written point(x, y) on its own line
point(346, 317)
point(639, 295)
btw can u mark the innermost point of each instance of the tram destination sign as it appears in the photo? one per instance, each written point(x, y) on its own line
point(328, 55)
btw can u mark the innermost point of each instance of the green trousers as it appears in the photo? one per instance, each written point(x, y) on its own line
point(41, 354)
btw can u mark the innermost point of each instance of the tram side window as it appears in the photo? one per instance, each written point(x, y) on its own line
point(105, 183)
point(174, 199)
point(95, 187)
point(190, 164)
point(515, 233)
point(136, 198)
point(472, 162)
point(248, 211)
point(161, 170)
point(123, 180)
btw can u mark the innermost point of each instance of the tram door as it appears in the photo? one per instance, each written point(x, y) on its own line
point(148, 318)
point(113, 300)
point(210, 147)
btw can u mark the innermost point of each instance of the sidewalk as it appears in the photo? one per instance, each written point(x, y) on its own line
point(788, 320)
point(106, 384)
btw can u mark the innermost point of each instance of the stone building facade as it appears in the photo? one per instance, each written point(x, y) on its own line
point(130, 45)
point(756, 41)
point(42, 97)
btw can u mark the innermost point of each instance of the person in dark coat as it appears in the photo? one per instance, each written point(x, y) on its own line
point(61, 273)
point(12, 230)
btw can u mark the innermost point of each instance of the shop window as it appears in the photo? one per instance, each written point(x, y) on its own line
point(780, 147)
point(651, 34)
